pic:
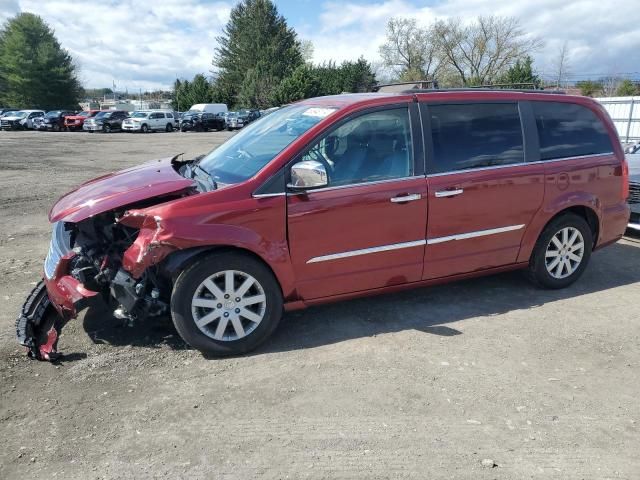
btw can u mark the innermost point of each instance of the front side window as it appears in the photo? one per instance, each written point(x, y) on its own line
point(569, 130)
point(374, 146)
point(475, 135)
point(246, 153)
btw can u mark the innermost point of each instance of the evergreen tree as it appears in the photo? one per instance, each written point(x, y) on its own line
point(35, 72)
point(303, 83)
point(521, 72)
point(256, 51)
point(357, 76)
point(590, 88)
point(627, 89)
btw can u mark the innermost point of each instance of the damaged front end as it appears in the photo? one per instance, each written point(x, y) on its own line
point(111, 256)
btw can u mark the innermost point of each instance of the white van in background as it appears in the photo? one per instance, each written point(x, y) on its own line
point(215, 108)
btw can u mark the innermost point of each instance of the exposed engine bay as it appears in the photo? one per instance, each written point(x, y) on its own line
point(90, 254)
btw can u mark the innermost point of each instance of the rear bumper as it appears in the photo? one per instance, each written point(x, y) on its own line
point(66, 293)
point(614, 223)
point(634, 218)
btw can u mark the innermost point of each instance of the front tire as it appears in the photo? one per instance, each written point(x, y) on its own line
point(562, 252)
point(226, 304)
point(169, 128)
point(106, 128)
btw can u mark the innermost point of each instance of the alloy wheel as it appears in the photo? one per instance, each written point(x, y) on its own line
point(564, 253)
point(228, 305)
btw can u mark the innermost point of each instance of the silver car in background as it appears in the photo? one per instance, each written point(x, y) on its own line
point(634, 190)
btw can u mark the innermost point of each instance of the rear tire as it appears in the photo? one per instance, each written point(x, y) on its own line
point(217, 280)
point(562, 252)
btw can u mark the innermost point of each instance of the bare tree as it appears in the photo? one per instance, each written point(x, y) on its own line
point(561, 65)
point(410, 51)
point(307, 50)
point(482, 51)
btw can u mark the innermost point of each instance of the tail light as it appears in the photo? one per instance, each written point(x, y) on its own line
point(625, 179)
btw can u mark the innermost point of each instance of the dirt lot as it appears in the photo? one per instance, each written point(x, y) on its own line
point(422, 384)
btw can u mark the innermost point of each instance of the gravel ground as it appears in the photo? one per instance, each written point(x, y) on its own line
point(483, 379)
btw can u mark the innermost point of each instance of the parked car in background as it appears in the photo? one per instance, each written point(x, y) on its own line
point(53, 120)
point(201, 122)
point(145, 121)
point(20, 120)
point(106, 121)
point(633, 148)
point(75, 122)
point(237, 120)
point(4, 111)
point(234, 121)
point(442, 186)
point(633, 160)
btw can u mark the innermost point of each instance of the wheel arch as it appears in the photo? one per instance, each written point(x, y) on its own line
point(584, 211)
point(180, 260)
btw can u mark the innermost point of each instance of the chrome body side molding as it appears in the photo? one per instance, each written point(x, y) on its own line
point(416, 243)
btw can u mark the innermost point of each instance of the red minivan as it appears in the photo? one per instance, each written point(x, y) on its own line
point(333, 198)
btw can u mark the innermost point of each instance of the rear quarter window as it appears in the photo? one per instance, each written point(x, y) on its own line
point(569, 130)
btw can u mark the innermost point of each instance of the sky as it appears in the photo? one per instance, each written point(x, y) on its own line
point(147, 44)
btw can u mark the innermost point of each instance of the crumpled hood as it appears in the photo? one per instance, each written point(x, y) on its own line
point(119, 189)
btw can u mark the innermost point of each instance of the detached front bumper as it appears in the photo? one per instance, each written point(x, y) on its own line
point(67, 295)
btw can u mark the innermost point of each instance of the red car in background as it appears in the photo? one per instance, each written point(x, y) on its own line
point(334, 198)
point(75, 122)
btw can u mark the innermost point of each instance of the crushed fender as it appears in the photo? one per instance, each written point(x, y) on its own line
point(38, 326)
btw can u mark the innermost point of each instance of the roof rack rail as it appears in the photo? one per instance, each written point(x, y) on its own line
point(406, 86)
point(431, 86)
point(481, 89)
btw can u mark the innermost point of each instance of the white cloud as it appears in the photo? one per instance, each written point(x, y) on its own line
point(146, 44)
point(602, 37)
point(132, 43)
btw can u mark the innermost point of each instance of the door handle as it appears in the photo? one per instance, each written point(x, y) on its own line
point(406, 198)
point(449, 193)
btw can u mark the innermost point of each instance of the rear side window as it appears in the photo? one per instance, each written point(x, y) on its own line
point(569, 130)
point(475, 135)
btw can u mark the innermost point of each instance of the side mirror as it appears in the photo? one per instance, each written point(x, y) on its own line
point(308, 175)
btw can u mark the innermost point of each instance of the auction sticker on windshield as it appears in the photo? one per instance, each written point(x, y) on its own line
point(318, 112)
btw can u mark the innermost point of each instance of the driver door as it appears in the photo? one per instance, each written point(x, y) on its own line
point(366, 228)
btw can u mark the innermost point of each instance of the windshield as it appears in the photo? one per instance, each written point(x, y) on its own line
point(18, 114)
point(53, 114)
point(139, 114)
point(83, 114)
point(245, 154)
point(103, 115)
